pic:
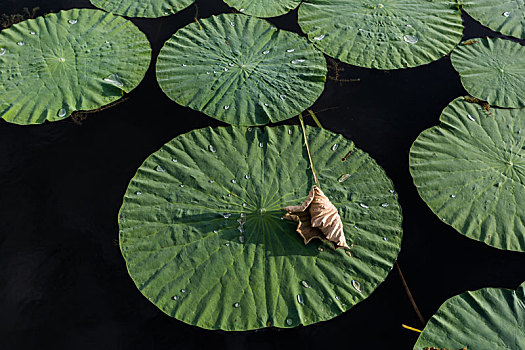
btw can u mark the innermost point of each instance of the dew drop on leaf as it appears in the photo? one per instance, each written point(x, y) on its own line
point(356, 285)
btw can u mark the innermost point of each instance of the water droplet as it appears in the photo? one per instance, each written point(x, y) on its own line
point(166, 13)
point(62, 112)
point(174, 160)
point(160, 169)
point(261, 144)
point(337, 297)
point(212, 181)
point(181, 185)
point(334, 147)
point(232, 24)
point(62, 60)
point(321, 249)
point(283, 97)
point(356, 285)
point(234, 181)
point(289, 321)
point(385, 239)
point(242, 10)
point(244, 205)
point(363, 205)
point(226, 107)
point(225, 69)
point(380, 6)
point(183, 290)
point(175, 297)
point(506, 13)
point(229, 195)
point(290, 50)
point(236, 304)
point(297, 61)
point(215, 231)
point(452, 196)
point(2, 51)
point(391, 191)
point(306, 284)
point(241, 239)
point(411, 39)
point(227, 244)
point(343, 177)
point(300, 299)
point(289, 131)
point(138, 193)
point(384, 205)
point(211, 148)
point(207, 72)
point(184, 64)
point(73, 21)
point(266, 52)
point(471, 117)
point(20, 43)
point(231, 64)
point(32, 33)
point(114, 79)
point(227, 216)
point(266, 104)
point(319, 38)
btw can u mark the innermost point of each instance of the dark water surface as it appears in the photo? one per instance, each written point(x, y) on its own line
point(63, 281)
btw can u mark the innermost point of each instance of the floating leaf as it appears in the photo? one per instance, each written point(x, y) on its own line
point(492, 70)
point(504, 16)
point(73, 60)
point(386, 35)
point(264, 8)
point(470, 172)
point(318, 218)
point(142, 8)
point(489, 318)
point(241, 70)
point(203, 226)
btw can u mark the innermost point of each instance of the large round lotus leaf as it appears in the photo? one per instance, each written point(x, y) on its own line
point(142, 8)
point(492, 70)
point(73, 60)
point(241, 70)
point(470, 170)
point(504, 16)
point(489, 318)
point(189, 251)
point(388, 35)
point(264, 8)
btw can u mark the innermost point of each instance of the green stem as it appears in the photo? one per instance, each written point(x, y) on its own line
point(312, 114)
point(308, 150)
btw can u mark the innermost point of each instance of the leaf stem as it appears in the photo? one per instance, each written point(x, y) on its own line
point(312, 114)
point(411, 328)
point(308, 150)
point(407, 290)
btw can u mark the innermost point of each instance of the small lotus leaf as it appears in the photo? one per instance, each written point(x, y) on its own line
point(470, 172)
point(63, 62)
point(492, 70)
point(390, 34)
point(241, 70)
point(489, 318)
point(504, 16)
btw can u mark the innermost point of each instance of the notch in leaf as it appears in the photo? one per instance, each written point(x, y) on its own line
point(318, 218)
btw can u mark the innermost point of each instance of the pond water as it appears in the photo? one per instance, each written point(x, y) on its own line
point(63, 281)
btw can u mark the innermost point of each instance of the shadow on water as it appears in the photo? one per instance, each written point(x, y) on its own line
point(64, 283)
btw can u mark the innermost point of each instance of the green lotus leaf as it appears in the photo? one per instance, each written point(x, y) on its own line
point(142, 8)
point(492, 70)
point(388, 35)
point(470, 170)
point(63, 62)
point(504, 16)
point(204, 239)
point(241, 70)
point(264, 8)
point(489, 318)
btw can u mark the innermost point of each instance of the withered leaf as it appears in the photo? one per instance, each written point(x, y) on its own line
point(318, 218)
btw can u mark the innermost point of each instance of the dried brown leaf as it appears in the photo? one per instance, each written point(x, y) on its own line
point(318, 218)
